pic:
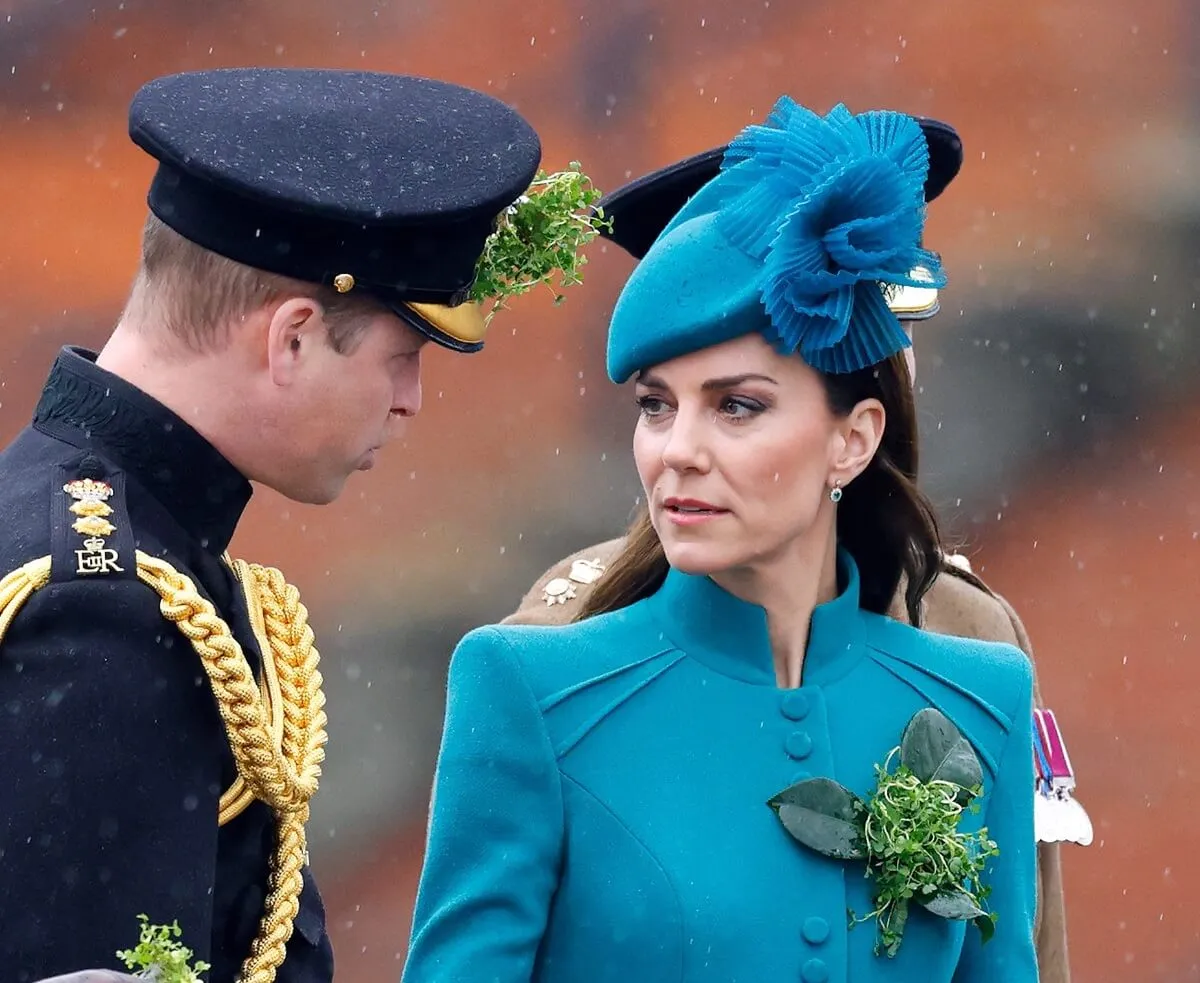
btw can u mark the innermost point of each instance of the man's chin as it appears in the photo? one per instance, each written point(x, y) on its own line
point(315, 494)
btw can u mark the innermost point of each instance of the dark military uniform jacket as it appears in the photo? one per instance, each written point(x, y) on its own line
point(115, 754)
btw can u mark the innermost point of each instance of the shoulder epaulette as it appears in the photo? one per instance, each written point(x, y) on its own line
point(90, 531)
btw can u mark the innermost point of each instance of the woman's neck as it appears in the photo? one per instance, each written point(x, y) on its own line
point(789, 588)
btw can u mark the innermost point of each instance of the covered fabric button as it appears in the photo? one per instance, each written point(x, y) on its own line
point(815, 971)
point(795, 705)
point(816, 930)
point(801, 776)
point(799, 745)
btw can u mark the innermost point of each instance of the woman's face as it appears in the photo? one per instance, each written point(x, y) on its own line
point(737, 449)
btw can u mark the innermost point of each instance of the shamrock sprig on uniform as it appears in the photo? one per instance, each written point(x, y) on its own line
point(907, 831)
point(539, 235)
point(159, 957)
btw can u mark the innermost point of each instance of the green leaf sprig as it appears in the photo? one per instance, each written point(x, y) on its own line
point(541, 234)
point(918, 855)
point(159, 957)
point(907, 832)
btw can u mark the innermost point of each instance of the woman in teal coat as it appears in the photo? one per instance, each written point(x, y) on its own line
point(734, 768)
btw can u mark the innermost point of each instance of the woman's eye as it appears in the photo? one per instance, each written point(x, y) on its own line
point(740, 407)
point(651, 405)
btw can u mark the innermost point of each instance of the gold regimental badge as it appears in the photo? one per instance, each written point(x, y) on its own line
point(92, 510)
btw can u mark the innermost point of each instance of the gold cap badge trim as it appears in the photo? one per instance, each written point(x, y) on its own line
point(465, 323)
point(903, 299)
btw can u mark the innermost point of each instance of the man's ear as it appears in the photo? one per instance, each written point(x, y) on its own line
point(295, 327)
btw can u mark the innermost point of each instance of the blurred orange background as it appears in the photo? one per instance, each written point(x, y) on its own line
point(1058, 387)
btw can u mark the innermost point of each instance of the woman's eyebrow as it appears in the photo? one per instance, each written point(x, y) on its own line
point(651, 381)
point(732, 381)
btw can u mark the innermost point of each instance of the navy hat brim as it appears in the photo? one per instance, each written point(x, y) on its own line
point(641, 209)
point(386, 184)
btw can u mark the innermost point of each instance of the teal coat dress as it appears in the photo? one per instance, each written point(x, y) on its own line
point(599, 810)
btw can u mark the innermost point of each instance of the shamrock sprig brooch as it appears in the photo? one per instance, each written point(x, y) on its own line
point(907, 831)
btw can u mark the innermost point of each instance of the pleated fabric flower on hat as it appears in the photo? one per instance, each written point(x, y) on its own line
point(834, 207)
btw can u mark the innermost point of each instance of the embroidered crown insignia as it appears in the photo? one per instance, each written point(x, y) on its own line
point(88, 489)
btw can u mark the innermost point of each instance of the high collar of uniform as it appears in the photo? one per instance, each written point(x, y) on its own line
point(92, 409)
point(731, 635)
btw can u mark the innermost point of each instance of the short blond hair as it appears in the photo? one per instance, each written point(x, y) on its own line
point(197, 295)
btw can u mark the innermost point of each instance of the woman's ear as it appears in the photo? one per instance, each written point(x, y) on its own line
point(861, 433)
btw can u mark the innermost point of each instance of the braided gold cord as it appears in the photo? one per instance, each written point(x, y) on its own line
point(18, 585)
point(238, 797)
point(278, 741)
point(295, 657)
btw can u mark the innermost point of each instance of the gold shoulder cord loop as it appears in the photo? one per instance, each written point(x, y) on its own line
point(277, 738)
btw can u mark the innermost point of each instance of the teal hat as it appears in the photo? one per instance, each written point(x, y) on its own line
point(811, 226)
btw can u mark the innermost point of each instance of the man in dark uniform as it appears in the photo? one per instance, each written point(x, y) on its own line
point(309, 232)
point(958, 603)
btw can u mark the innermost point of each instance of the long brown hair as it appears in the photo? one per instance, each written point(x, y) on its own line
point(884, 521)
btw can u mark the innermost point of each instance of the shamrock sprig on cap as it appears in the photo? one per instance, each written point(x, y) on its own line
point(541, 234)
point(907, 831)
